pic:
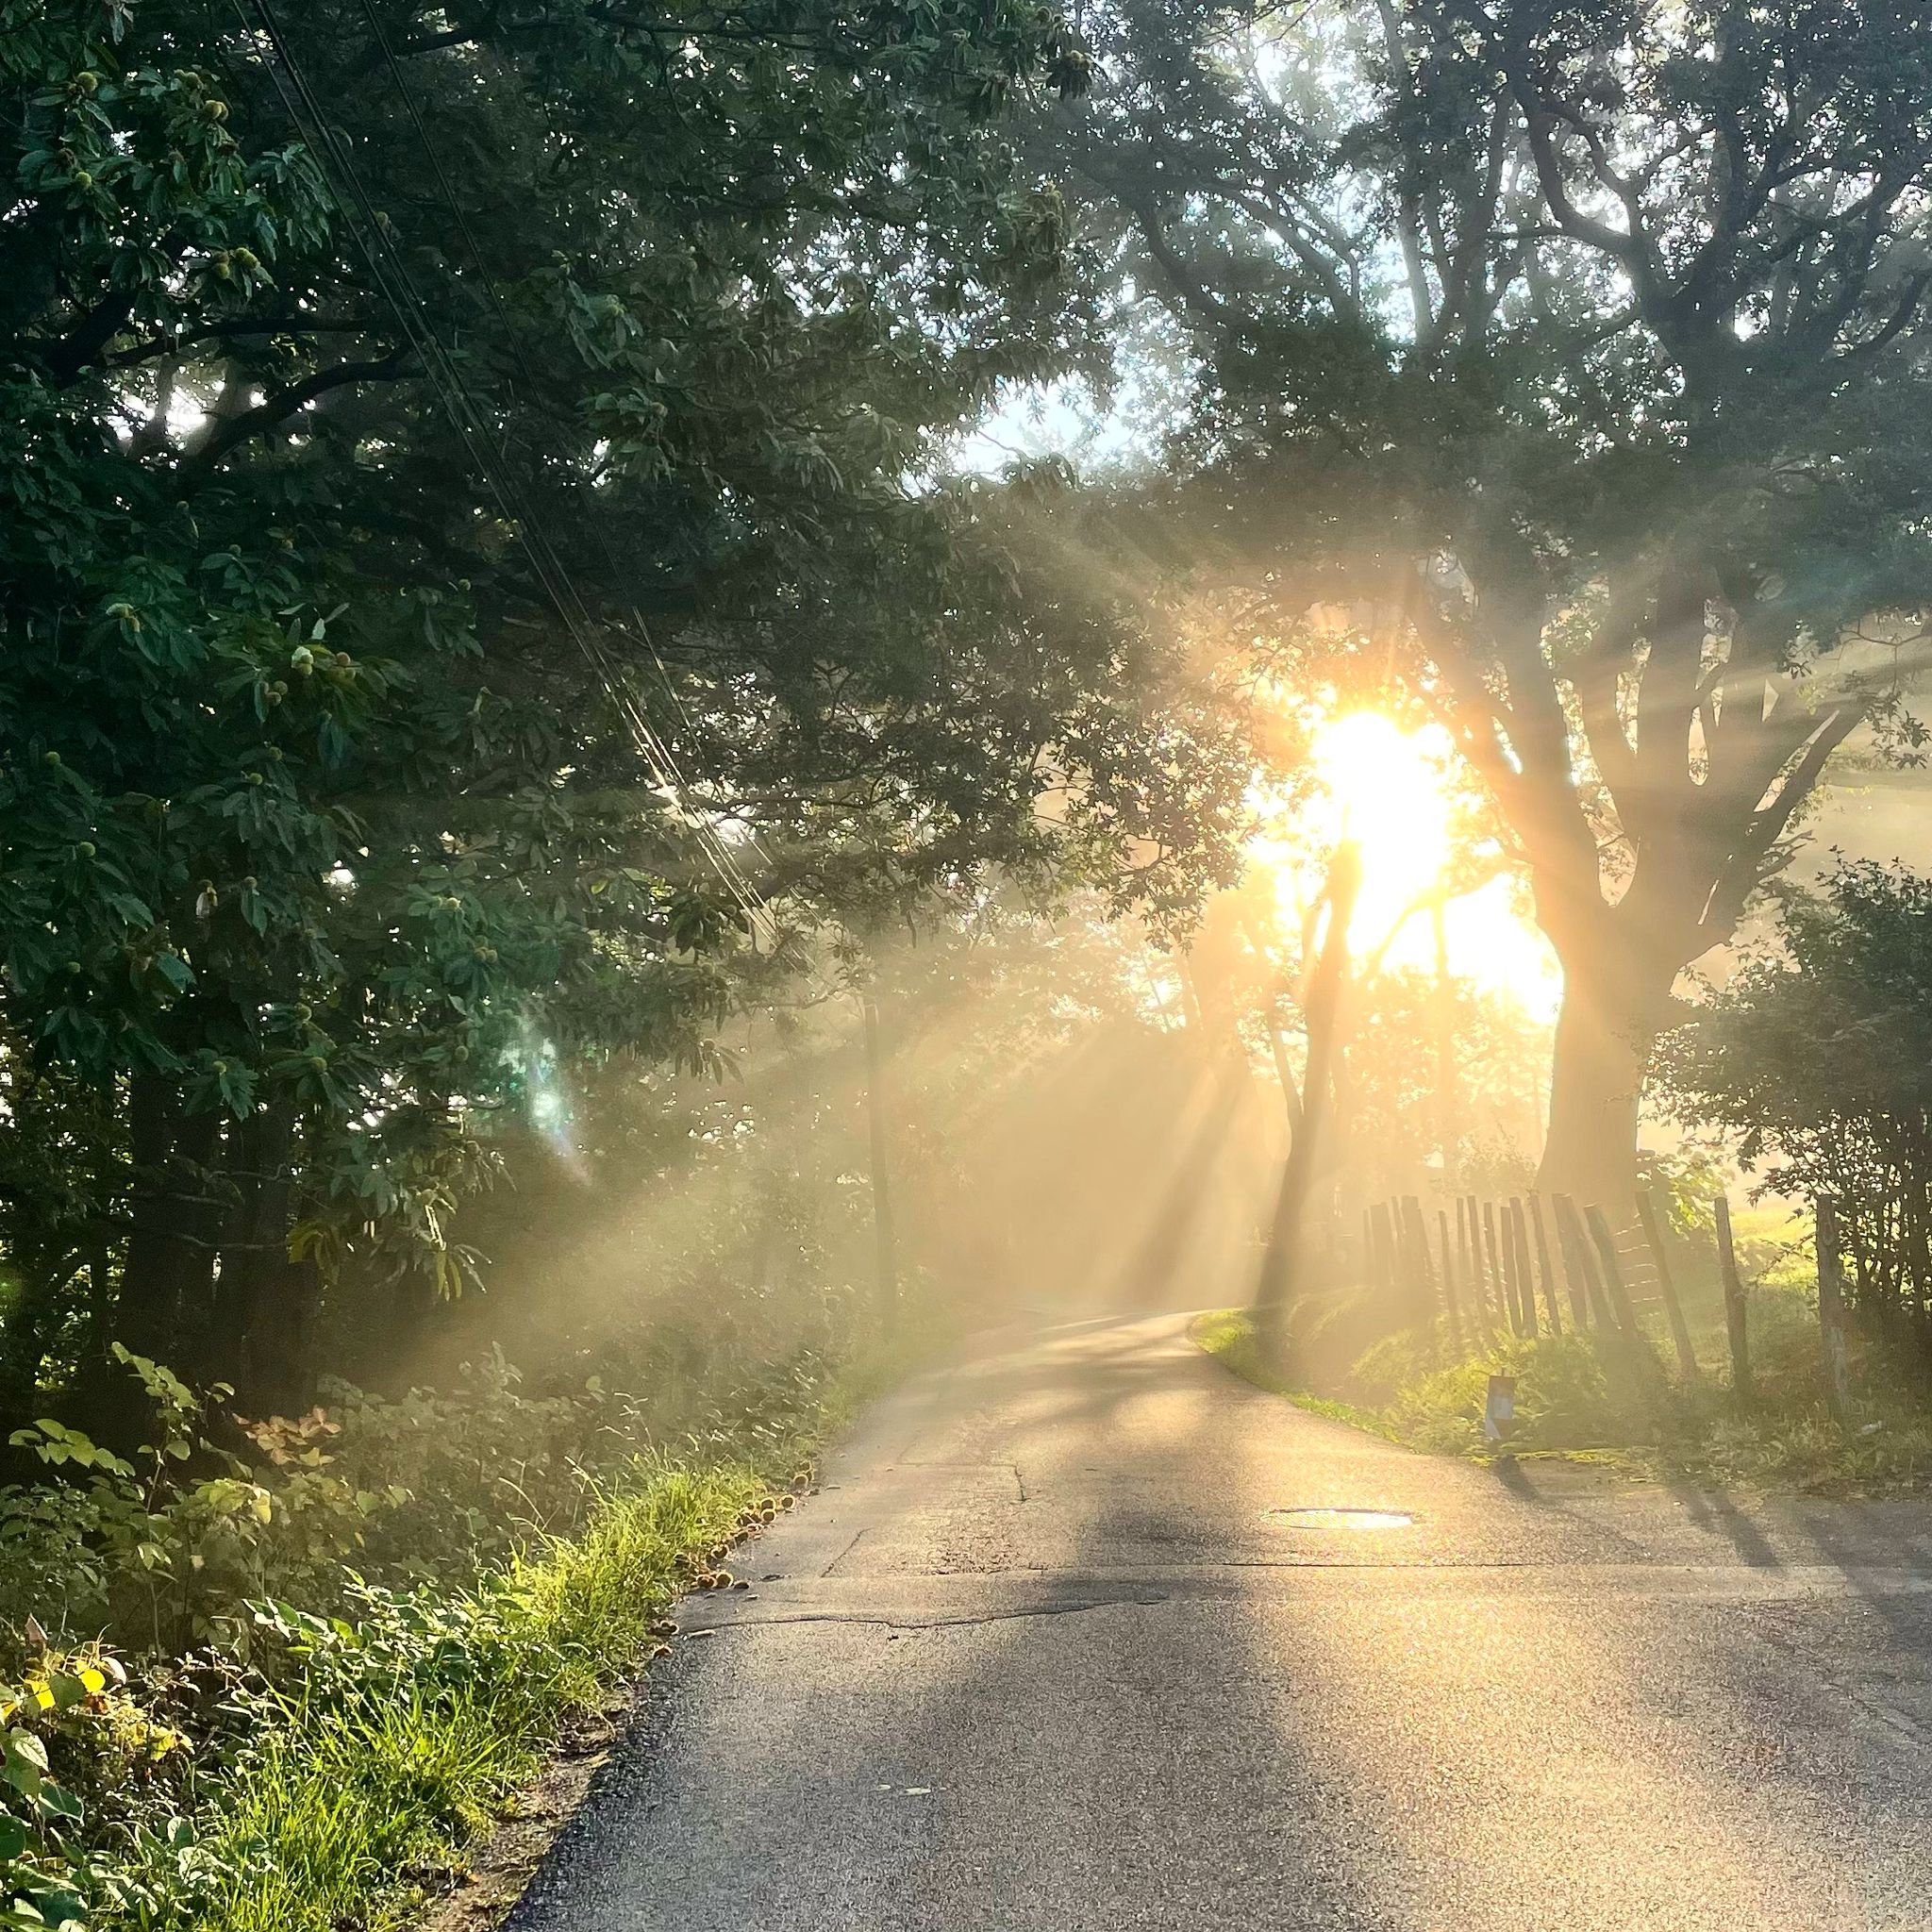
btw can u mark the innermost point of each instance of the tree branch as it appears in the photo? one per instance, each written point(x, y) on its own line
point(276, 408)
point(246, 326)
point(1744, 869)
point(69, 356)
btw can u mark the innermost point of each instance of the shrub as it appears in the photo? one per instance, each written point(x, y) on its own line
point(1818, 1055)
point(347, 1638)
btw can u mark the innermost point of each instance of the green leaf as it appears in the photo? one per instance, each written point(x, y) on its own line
point(23, 1764)
point(56, 1801)
point(66, 1689)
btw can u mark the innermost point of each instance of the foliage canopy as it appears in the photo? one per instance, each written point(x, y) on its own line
point(1558, 364)
point(471, 535)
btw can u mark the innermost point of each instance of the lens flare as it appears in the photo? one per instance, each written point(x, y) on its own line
point(548, 1102)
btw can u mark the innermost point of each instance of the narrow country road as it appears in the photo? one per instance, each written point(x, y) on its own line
point(1037, 1660)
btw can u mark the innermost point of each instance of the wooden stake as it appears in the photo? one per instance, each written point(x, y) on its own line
point(1478, 1276)
point(1734, 1301)
point(1831, 1309)
point(1574, 1275)
point(1469, 1262)
point(1580, 1262)
point(1547, 1269)
point(1485, 1269)
point(1419, 1277)
point(1516, 1263)
point(1451, 1299)
point(1500, 1270)
point(1420, 1273)
point(1613, 1272)
point(1385, 1248)
point(1518, 1233)
point(1478, 1325)
point(1673, 1308)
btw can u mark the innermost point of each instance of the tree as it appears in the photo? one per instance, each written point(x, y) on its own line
point(1816, 1056)
point(1285, 1255)
point(1561, 362)
point(475, 583)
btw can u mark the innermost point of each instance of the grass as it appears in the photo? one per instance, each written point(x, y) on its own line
point(413, 1731)
point(1228, 1334)
point(1581, 1398)
point(367, 1789)
point(403, 1747)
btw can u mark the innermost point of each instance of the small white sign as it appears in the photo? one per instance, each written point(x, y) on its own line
point(1499, 1413)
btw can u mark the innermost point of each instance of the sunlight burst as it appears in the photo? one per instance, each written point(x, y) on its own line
point(1393, 792)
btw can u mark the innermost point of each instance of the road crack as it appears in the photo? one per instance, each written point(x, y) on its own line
point(1069, 1610)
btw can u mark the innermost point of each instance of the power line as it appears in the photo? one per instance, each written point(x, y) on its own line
point(513, 338)
point(640, 632)
point(518, 509)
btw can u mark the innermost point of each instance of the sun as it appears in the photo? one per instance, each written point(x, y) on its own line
point(1394, 792)
point(1379, 787)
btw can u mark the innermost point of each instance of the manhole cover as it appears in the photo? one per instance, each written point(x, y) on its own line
point(1339, 1519)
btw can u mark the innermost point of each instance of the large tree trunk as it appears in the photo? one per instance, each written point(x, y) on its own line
point(1613, 1011)
point(167, 1271)
point(1448, 1099)
point(1284, 1259)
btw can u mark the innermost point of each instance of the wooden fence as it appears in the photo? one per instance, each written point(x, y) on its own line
point(1526, 1265)
point(1530, 1265)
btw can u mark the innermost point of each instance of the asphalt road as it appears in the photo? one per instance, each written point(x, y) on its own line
point(1037, 1659)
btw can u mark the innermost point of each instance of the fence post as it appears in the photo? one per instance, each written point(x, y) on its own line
point(1384, 1247)
point(1516, 1252)
point(1831, 1308)
point(1547, 1265)
point(1499, 1282)
point(1549, 1282)
point(1476, 1324)
point(1478, 1284)
point(1469, 1255)
point(1580, 1262)
point(1421, 1273)
point(1613, 1272)
point(1506, 1262)
point(1673, 1309)
point(1451, 1299)
point(1734, 1301)
point(1494, 1311)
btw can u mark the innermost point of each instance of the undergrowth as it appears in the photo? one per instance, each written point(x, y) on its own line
point(329, 1662)
point(415, 1719)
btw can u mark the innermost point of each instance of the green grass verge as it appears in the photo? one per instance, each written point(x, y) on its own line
point(1228, 1336)
point(379, 1776)
point(417, 1721)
